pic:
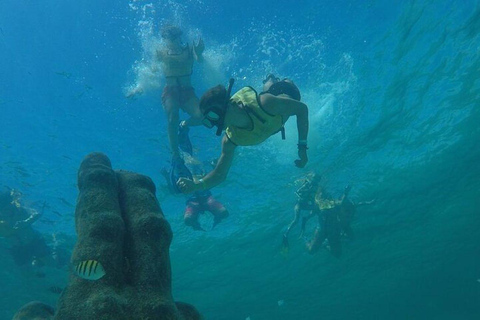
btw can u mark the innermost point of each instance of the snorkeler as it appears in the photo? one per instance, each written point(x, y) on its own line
point(280, 87)
point(335, 218)
point(200, 201)
point(248, 119)
point(176, 60)
point(305, 203)
point(27, 246)
point(13, 216)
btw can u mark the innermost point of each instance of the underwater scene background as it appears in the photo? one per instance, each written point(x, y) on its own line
point(392, 89)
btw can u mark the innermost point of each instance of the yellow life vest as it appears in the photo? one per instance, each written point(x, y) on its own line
point(263, 123)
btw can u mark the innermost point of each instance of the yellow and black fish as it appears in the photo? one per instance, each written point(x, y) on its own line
point(90, 270)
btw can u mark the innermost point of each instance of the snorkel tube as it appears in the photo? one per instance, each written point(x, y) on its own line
point(225, 105)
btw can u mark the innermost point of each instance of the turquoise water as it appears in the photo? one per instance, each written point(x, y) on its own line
point(393, 95)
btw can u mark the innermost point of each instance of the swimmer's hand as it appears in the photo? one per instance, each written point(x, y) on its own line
point(198, 48)
point(302, 154)
point(186, 185)
point(134, 92)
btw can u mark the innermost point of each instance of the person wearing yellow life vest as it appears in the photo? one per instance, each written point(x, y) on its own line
point(248, 119)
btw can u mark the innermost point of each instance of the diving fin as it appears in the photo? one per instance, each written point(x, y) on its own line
point(184, 142)
point(177, 171)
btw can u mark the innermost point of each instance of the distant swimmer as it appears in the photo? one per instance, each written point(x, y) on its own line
point(200, 201)
point(248, 119)
point(27, 245)
point(335, 218)
point(305, 203)
point(176, 60)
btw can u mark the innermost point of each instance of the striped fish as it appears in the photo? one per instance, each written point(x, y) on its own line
point(90, 270)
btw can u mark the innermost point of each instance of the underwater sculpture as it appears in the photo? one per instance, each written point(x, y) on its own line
point(35, 310)
point(121, 228)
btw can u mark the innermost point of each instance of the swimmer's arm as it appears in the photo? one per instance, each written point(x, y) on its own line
point(303, 187)
point(287, 107)
point(198, 50)
point(224, 163)
point(290, 107)
point(217, 175)
point(364, 203)
point(34, 216)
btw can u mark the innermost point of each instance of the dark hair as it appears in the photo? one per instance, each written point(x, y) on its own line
point(214, 96)
point(271, 76)
point(171, 32)
point(287, 87)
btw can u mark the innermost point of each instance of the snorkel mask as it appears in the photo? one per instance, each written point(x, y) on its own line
point(215, 115)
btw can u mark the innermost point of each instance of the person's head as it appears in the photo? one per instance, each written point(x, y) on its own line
point(171, 33)
point(284, 86)
point(214, 104)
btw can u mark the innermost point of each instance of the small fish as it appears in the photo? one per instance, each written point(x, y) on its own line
point(64, 74)
point(49, 222)
point(57, 213)
point(55, 289)
point(65, 202)
point(90, 270)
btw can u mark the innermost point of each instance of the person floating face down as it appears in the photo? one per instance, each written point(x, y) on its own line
point(248, 119)
point(201, 200)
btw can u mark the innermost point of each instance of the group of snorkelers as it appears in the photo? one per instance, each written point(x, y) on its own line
point(247, 118)
point(334, 216)
point(27, 246)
